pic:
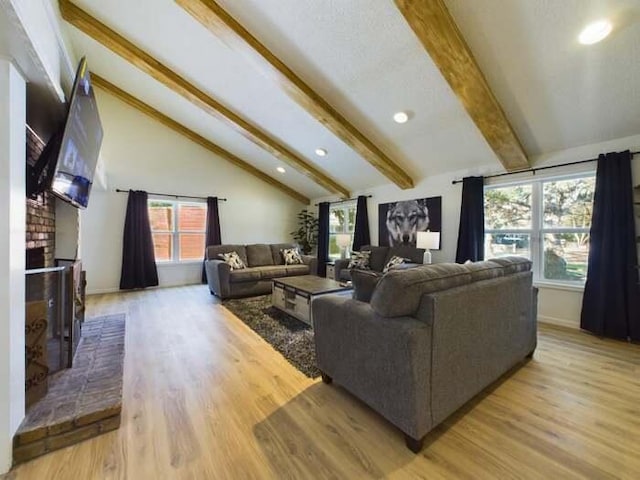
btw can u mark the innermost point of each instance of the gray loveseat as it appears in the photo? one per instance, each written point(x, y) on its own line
point(264, 263)
point(429, 340)
point(379, 258)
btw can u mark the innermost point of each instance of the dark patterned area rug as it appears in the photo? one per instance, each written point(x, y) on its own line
point(289, 336)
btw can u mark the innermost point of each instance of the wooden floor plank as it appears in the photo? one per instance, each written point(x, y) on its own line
point(205, 397)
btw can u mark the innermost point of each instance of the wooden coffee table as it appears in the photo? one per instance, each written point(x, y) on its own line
point(294, 295)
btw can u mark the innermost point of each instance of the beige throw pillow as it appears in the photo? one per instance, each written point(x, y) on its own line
point(291, 256)
point(233, 260)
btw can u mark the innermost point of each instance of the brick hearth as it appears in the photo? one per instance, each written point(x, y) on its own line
point(83, 401)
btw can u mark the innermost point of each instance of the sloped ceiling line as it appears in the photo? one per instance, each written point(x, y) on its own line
point(223, 25)
point(193, 136)
point(145, 62)
point(437, 31)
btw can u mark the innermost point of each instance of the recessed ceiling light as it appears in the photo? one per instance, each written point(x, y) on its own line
point(321, 152)
point(401, 117)
point(595, 32)
point(281, 170)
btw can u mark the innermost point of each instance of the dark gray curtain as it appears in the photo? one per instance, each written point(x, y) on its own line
point(611, 300)
point(323, 238)
point(471, 231)
point(361, 232)
point(213, 229)
point(138, 258)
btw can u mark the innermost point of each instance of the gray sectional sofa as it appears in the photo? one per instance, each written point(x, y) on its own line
point(264, 263)
point(379, 258)
point(430, 338)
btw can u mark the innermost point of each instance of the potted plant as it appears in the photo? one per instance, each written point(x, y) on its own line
point(307, 233)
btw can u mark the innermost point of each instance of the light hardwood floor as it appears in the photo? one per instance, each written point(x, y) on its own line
point(205, 397)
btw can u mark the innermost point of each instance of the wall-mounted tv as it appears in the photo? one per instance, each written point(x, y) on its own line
point(68, 163)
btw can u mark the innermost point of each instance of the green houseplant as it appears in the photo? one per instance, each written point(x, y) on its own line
point(307, 233)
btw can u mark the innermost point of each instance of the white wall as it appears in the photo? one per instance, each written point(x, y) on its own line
point(12, 258)
point(40, 21)
point(558, 305)
point(142, 154)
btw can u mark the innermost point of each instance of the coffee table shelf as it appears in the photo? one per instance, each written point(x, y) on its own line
point(295, 295)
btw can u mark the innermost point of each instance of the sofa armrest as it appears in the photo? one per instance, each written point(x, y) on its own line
point(312, 262)
point(340, 265)
point(218, 277)
point(386, 362)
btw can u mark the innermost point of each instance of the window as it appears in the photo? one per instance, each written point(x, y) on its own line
point(178, 230)
point(342, 219)
point(546, 220)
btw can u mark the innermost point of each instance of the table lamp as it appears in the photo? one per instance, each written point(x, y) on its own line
point(343, 240)
point(428, 240)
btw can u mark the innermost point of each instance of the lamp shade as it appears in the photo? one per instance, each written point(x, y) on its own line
point(428, 240)
point(343, 240)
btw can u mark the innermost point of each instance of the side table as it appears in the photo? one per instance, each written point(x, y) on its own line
point(331, 270)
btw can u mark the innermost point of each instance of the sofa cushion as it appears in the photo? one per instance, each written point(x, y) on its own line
point(297, 269)
point(213, 251)
point(245, 275)
point(513, 264)
point(259, 255)
point(276, 251)
point(345, 275)
point(364, 283)
point(399, 292)
point(484, 270)
point(271, 271)
point(412, 254)
point(378, 257)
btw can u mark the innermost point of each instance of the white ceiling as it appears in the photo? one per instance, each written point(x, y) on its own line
point(556, 92)
point(364, 59)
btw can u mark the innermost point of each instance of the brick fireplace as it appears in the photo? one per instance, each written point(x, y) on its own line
point(68, 400)
point(41, 212)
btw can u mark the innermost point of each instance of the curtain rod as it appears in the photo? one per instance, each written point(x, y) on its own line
point(345, 200)
point(534, 170)
point(172, 195)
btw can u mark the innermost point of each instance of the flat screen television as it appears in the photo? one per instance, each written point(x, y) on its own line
point(68, 162)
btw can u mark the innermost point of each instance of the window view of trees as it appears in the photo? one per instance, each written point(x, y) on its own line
point(508, 208)
point(508, 215)
point(342, 219)
point(556, 239)
point(567, 210)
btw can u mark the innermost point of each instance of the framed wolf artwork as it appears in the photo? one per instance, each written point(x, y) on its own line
point(399, 222)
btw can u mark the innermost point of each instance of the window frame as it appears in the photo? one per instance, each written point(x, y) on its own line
point(175, 233)
point(345, 206)
point(538, 230)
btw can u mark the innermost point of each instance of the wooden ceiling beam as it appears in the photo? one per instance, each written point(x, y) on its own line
point(117, 92)
point(224, 26)
point(437, 31)
point(148, 64)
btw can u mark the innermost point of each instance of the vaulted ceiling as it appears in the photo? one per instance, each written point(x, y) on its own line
point(352, 65)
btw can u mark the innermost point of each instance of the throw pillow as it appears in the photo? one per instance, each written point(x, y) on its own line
point(364, 283)
point(291, 256)
point(360, 260)
point(393, 261)
point(233, 260)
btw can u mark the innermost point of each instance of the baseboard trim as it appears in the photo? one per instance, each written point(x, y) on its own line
point(559, 322)
point(101, 291)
